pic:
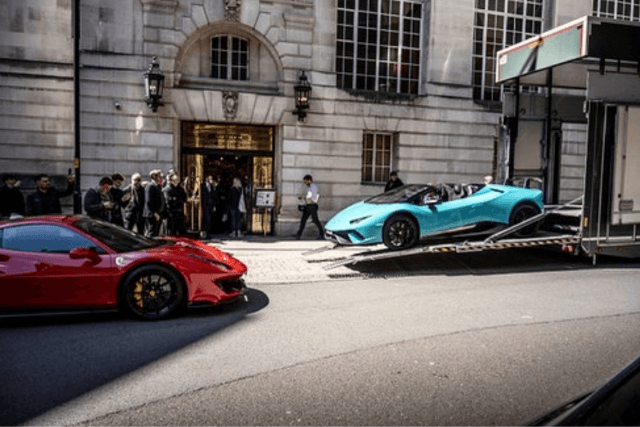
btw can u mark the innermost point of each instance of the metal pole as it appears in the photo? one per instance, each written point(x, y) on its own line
point(513, 134)
point(77, 199)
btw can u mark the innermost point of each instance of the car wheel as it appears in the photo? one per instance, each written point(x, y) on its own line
point(400, 232)
point(522, 212)
point(153, 292)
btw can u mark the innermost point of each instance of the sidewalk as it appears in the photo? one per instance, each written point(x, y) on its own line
point(273, 260)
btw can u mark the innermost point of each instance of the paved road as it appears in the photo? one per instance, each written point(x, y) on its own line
point(483, 339)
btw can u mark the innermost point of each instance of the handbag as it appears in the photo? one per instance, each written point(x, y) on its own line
point(242, 207)
point(301, 208)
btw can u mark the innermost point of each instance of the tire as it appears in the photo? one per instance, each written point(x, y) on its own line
point(153, 292)
point(522, 212)
point(400, 232)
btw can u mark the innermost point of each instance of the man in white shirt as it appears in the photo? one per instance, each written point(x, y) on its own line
point(309, 203)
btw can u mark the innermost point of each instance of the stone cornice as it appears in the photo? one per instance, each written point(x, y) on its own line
point(306, 4)
point(160, 5)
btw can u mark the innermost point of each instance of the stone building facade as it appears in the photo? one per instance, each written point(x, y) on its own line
point(396, 85)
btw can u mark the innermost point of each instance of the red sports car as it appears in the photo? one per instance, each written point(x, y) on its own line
point(75, 262)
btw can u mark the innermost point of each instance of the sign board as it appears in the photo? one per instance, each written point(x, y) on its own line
point(558, 46)
point(265, 198)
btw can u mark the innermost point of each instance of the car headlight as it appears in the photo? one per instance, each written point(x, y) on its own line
point(220, 265)
point(358, 220)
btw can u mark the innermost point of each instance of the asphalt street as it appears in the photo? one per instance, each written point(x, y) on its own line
point(480, 339)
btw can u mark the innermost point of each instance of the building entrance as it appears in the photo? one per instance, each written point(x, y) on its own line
point(226, 152)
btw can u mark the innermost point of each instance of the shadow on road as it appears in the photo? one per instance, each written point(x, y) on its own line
point(512, 261)
point(48, 360)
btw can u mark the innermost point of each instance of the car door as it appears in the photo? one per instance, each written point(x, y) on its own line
point(36, 269)
point(438, 215)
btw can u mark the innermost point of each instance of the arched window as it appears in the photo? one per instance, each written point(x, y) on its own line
point(229, 58)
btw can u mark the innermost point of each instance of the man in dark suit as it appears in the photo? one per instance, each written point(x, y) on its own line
point(133, 201)
point(154, 204)
point(46, 199)
point(98, 202)
point(210, 200)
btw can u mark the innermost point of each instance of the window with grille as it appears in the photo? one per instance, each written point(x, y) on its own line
point(499, 24)
point(229, 58)
point(377, 153)
point(378, 45)
point(619, 9)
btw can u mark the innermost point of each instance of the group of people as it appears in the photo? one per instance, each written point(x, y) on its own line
point(143, 206)
point(44, 200)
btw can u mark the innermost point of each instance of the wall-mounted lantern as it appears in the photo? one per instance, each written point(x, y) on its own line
point(153, 84)
point(302, 94)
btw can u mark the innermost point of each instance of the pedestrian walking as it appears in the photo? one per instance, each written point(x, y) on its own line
point(133, 201)
point(210, 199)
point(154, 204)
point(394, 182)
point(237, 207)
point(11, 198)
point(309, 207)
point(46, 199)
point(175, 197)
point(116, 194)
point(98, 202)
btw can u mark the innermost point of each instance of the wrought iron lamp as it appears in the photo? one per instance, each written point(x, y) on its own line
point(153, 84)
point(302, 94)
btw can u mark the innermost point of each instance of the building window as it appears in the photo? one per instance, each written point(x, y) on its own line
point(377, 151)
point(378, 45)
point(229, 58)
point(499, 24)
point(628, 10)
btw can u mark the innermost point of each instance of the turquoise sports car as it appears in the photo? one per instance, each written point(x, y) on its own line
point(402, 217)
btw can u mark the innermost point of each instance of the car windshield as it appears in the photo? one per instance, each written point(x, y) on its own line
point(398, 195)
point(118, 238)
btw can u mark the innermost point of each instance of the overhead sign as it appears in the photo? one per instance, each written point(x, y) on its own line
point(560, 45)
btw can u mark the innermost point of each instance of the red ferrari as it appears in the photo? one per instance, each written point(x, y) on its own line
point(75, 262)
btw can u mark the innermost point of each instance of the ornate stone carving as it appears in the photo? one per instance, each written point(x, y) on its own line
point(230, 103)
point(232, 10)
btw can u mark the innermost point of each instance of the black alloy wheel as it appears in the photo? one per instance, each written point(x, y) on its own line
point(400, 232)
point(522, 212)
point(153, 292)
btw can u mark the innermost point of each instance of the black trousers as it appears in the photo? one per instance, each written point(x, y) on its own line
point(310, 210)
point(152, 227)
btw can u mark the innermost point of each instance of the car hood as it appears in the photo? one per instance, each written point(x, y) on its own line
point(183, 250)
point(375, 212)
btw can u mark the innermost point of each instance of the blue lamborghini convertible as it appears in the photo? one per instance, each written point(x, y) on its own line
point(401, 217)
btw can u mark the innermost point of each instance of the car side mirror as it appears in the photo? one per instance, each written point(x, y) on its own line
point(82, 253)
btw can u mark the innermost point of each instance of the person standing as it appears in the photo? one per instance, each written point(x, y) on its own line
point(116, 195)
point(99, 203)
point(210, 201)
point(11, 199)
point(133, 201)
point(46, 199)
point(236, 200)
point(394, 182)
point(154, 204)
point(309, 203)
point(175, 197)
